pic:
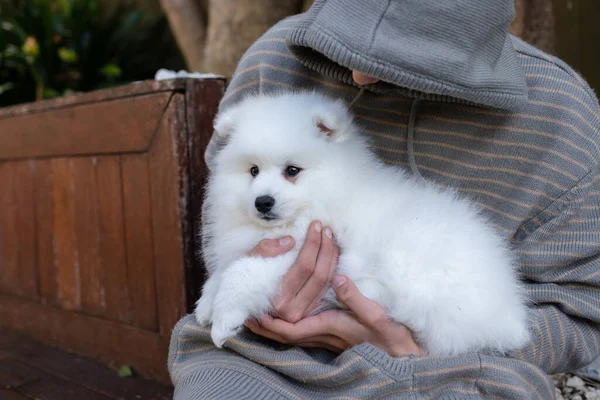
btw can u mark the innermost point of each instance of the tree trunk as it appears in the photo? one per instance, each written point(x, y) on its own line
point(306, 4)
point(235, 25)
point(187, 19)
point(534, 23)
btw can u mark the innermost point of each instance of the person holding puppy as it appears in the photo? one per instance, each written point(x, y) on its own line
point(442, 88)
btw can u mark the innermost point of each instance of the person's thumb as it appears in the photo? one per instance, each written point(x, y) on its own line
point(272, 247)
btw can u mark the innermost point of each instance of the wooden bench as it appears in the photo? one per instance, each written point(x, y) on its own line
point(99, 204)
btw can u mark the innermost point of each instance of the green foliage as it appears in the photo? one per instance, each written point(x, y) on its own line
point(52, 48)
point(125, 371)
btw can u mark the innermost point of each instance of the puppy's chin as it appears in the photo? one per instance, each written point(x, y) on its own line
point(268, 221)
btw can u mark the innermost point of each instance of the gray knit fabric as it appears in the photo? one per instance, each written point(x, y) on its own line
point(389, 40)
point(530, 160)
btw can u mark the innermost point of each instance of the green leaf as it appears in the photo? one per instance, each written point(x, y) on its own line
point(65, 7)
point(125, 371)
point(50, 93)
point(6, 87)
point(111, 70)
point(13, 27)
point(13, 51)
point(67, 55)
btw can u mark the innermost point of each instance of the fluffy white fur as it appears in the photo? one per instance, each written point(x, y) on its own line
point(424, 253)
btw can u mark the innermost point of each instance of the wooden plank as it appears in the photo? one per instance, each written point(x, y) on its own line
point(44, 215)
point(17, 230)
point(18, 273)
point(202, 103)
point(87, 233)
point(65, 242)
point(9, 240)
point(14, 374)
point(46, 389)
point(106, 341)
point(24, 190)
point(67, 132)
point(168, 193)
point(120, 92)
point(112, 242)
point(10, 395)
point(52, 363)
point(138, 236)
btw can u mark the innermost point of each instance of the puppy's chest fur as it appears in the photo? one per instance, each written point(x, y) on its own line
point(358, 255)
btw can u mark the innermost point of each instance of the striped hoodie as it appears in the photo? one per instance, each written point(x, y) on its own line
point(464, 104)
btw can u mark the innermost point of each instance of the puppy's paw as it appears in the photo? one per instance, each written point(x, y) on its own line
point(203, 311)
point(226, 325)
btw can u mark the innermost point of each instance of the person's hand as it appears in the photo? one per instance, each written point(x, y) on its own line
point(338, 330)
point(304, 285)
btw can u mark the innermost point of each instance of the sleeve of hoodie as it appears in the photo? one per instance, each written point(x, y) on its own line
point(560, 254)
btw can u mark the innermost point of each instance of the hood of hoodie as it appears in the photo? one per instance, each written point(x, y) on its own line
point(443, 50)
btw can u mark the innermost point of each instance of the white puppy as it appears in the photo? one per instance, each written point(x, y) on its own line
point(425, 254)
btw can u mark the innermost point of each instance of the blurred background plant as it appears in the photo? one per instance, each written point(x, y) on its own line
point(51, 48)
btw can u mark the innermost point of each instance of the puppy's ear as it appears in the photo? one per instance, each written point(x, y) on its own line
point(225, 122)
point(333, 120)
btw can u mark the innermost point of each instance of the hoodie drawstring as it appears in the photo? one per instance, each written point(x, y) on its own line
point(358, 95)
point(414, 108)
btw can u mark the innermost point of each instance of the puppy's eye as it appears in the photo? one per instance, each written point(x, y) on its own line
point(292, 171)
point(254, 170)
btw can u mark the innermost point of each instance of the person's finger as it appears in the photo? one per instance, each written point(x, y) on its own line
point(329, 342)
point(331, 322)
point(317, 283)
point(332, 269)
point(258, 329)
point(363, 79)
point(369, 312)
point(298, 274)
point(272, 247)
point(305, 328)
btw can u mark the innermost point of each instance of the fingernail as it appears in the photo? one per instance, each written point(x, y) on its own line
point(318, 226)
point(338, 281)
point(273, 243)
point(285, 241)
point(328, 233)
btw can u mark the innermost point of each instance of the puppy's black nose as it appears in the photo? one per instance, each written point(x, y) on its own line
point(264, 204)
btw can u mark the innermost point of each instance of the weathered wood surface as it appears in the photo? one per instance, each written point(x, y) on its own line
point(98, 219)
point(120, 92)
point(109, 127)
point(30, 370)
point(203, 128)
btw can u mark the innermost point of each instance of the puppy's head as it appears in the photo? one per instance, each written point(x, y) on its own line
point(281, 156)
